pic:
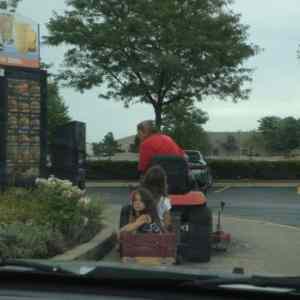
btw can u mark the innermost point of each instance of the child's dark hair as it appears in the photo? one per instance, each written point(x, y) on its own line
point(148, 200)
point(155, 180)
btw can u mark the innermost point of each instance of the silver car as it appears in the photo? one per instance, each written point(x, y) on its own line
point(199, 169)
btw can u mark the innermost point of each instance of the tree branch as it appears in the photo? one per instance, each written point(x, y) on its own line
point(153, 102)
point(139, 76)
point(167, 88)
point(160, 93)
point(115, 77)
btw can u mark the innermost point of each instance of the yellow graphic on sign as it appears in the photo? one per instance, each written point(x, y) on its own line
point(19, 41)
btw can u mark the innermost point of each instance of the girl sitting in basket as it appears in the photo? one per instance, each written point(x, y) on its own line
point(155, 180)
point(143, 217)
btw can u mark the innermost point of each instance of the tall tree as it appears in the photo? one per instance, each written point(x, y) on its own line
point(269, 127)
point(58, 112)
point(109, 145)
point(153, 51)
point(255, 143)
point(98, 149)
point(183, 122)
point(280, 135)
point(290, 134)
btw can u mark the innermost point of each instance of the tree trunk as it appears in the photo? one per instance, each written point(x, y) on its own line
point(158, 118)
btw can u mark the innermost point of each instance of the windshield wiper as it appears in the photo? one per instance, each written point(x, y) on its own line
point(28, 266)
point(257, 281)
point(119, 272)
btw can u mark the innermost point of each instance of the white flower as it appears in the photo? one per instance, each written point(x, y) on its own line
point(41, 181)
point(67, 183)
point(85, 221)
point(85, 200)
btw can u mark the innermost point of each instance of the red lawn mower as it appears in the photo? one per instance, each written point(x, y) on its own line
point(191, 216)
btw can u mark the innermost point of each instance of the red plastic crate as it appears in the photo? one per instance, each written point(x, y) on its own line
point(148, 248)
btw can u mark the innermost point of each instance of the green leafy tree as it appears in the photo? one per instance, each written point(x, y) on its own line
point(290, 134)
point(269, 127)
point(58, 112)
point(98, 149)
point(183, 122)
point(254, 144)
point(153, 51)
point(109, 145)
point(281, 136)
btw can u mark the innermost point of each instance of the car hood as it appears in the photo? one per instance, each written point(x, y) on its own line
point(180, 276)
point(117, 268)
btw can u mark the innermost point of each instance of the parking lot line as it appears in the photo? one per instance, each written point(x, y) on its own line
point(223, 189)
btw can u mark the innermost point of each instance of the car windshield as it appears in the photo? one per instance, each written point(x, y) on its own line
point(100, 101)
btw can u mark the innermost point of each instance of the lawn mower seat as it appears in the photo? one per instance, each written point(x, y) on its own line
point(177, 171)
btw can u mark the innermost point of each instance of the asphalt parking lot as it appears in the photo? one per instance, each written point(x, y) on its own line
point(273, 204)
point(256, 217)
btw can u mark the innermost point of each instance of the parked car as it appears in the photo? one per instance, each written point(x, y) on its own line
point(200, 169)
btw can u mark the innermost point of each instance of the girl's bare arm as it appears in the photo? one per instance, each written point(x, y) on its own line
point(135, 225)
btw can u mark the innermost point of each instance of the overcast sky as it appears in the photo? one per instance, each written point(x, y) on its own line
point(274, 26)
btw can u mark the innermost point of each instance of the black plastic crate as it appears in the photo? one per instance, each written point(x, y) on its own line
point(195, 231)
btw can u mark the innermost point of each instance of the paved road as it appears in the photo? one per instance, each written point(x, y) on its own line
point(278, 205)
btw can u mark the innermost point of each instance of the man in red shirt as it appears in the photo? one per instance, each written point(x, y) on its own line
point(154, 143)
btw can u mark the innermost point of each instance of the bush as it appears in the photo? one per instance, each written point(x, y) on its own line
point(55, 216)
point(263, 170)
point(61, 206)
point(221, 169)
point(19, 205)
point(91, 210)
point(29, 241)
point(112, 170)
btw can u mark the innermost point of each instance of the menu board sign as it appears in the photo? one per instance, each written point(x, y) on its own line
point(23, 125)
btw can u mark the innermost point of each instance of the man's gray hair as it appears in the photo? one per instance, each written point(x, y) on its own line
point(148, 127)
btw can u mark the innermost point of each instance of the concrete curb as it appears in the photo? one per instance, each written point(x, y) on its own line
point(124, 184)
point(95, 249)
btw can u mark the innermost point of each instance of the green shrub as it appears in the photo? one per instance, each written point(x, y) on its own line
point(56, 215)
point(29, 241)
point(61, 206)
point(221, 169)
point(19, 205)
point(263, 170)
point(92, 212)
